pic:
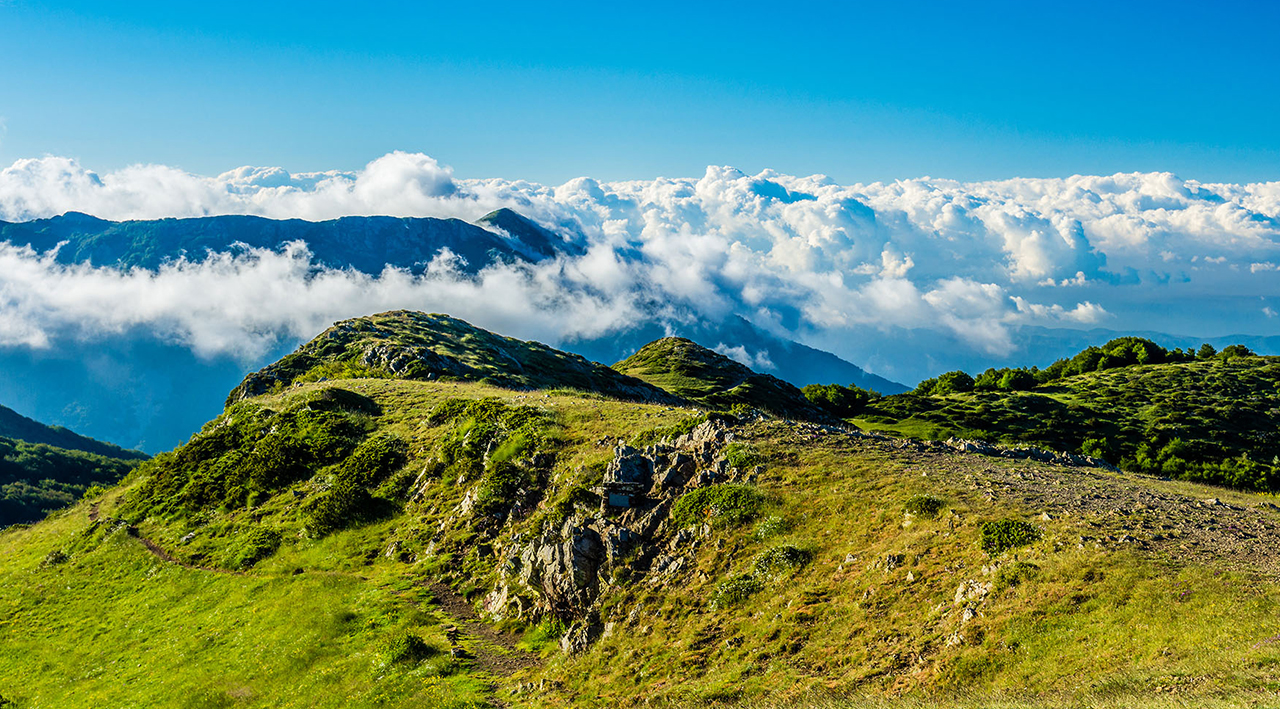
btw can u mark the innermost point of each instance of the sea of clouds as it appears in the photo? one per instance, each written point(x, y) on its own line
point(803, 257)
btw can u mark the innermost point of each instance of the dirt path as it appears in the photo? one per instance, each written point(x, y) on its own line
point(496, 653)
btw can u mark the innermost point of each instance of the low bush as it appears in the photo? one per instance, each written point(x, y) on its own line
point(406, 647)
point(1014, 574)
point(771, 527)
point(780, 560)
point(376, 458)
point(742, 456)
point(925, 506)
point(341, 506)
point(720, 505)
point(735, 591)
point(253, 545)
point(999, 536)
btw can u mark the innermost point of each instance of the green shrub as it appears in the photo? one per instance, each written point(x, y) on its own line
point(343, 505)
point(375, 459)
point(277, 459)
point(742, 456)
point(721, 505)
point(406, 647)
point(252, 546)
point(735, 591)
point(780, 560)
point(771, 527)
point(499, 488)
point(999, 536)
point(1011, 575)
point(925, 506)
point(837, 400)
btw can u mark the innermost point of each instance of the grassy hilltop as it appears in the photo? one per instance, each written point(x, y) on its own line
point(403, 541)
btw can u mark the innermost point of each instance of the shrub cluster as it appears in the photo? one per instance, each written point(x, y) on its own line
point(720, 505)
point(1014, 574)
point(253, 545)
point(839, 401)
point(779, 561)
point(500, 444)
point(742, 456)
point(999, 536)
point(735, 591)
point(250, 453)
point(770, 527)
point(406, 647)
point(925, 506)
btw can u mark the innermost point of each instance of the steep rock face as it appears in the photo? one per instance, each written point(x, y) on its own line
point(410, 345)
point(567, 571)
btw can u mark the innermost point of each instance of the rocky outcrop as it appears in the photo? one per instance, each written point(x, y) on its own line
point(566, 571)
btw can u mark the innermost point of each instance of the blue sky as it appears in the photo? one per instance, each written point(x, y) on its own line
point(550, 91)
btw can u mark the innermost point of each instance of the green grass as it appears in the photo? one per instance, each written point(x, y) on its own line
point(820, 590)
point(115, 626)
point(1209, 420)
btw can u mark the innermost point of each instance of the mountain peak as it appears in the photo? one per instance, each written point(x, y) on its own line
point(687, 369)
point(405, 344)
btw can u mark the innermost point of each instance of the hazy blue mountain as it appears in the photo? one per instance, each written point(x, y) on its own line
point(364, 243)
point(15, 426)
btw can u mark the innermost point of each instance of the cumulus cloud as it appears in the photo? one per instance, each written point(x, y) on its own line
point(796, 255)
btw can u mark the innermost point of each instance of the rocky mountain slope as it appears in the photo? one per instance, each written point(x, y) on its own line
point(393, 541)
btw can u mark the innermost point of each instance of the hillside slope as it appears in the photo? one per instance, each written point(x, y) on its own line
point(696, 373)
point(18, 427)
point(410, 345)
point(328, 544)
point(1213, 419)
point(43, 468)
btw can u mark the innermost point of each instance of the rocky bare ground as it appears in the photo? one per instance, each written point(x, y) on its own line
point(1176, 519)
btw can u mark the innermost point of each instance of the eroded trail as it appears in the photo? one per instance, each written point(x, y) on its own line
point(495, 652)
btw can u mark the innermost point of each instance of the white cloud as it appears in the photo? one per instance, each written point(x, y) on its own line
point(760, 361)
point(799, 255)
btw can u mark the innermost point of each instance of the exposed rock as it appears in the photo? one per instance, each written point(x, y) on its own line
point(972, 590)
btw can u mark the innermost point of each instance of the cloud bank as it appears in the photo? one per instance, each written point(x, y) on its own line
point(803, 257)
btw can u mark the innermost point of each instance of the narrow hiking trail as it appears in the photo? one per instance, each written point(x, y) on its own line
point(472, 640)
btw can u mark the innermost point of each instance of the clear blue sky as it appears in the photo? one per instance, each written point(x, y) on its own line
point(548, 91)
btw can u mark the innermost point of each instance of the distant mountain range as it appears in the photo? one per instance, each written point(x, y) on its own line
point(152, 394)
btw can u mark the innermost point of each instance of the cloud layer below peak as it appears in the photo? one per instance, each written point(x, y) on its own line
point(801, 256)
